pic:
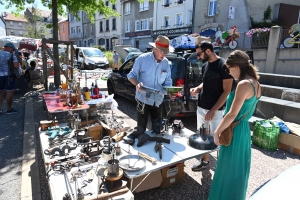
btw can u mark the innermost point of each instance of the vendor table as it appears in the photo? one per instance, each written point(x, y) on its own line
point(57, 180)
point(177, 151)
point(53, 105)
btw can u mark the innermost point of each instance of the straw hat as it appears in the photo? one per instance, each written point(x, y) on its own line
point(163, 44)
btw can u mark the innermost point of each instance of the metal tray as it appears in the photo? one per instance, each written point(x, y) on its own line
point(149, 90)
point(136, 162)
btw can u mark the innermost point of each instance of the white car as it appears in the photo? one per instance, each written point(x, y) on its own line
point(91, 58)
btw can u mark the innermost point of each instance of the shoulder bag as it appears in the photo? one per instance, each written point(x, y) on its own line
point(14, 73)
point(226, 136)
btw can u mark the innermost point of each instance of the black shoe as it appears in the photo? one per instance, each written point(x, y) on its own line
point(199, 166)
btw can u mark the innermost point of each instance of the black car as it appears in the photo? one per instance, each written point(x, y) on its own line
point(186, 72)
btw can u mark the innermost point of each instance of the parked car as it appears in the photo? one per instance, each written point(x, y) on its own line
point(90, 58)
point(185, 71)
point(132, 54)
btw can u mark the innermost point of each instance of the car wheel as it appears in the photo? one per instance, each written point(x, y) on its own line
point(110, 88)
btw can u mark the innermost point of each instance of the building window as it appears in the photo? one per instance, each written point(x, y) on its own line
point(212, 7)
point(64, 37)
point(137, 25)
point(144, 6)
point(107, 25)
point(127, 8)
point(189, 15)
point(11, 23)
point(78, 29)
point(73, 30)
point(114, 24)
point(63, 27)
point(20, 24)
point(106, 3)
point(101, 26)
point(179, 19)
point(12, 32)
point(144, 24)
point(71, 17)
point(114, 6)
point(92, 28)
point(127, 26)
point(85, 29)
point(20, 32)
point(167, 3)
point(166, 21)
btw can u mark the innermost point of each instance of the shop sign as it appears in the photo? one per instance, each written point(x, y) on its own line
point(139, 33)
point(186, 30)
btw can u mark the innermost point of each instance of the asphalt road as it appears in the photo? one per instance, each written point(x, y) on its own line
point(11, 146)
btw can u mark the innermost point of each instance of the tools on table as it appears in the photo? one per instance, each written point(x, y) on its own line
point(147, 157)
point(62, 151)
point(55, 131)
point(158, 146)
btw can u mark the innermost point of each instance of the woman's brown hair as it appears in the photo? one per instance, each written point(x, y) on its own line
point(241, 59)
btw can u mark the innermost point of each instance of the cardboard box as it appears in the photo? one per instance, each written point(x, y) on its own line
point(172, 175)
point(112, 132)
point(96, 132)
point(107, 131)
point(289, 143)
point(152, 181)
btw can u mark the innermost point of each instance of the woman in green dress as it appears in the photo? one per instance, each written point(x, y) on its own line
point(230, 180)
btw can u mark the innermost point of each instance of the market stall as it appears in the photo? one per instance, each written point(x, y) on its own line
point(101, 157)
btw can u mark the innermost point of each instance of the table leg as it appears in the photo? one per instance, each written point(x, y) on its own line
point(139, 183)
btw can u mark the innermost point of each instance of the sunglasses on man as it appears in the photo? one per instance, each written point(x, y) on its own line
point(199, 53)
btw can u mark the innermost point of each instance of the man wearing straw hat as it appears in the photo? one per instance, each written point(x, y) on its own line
point(152, 70)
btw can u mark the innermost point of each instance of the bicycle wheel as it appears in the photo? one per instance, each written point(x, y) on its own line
point(286, 42)
point(232, 44)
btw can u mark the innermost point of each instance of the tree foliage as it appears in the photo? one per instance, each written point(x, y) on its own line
point(91, 7)
point(35, 28)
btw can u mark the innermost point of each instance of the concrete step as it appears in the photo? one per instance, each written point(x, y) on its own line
point(280, 92)
point(269, 107)
point(280, 80)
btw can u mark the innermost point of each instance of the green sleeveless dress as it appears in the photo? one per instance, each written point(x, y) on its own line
point(230, 180)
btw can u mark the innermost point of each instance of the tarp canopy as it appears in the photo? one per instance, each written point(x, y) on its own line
point(13, 39)
point(29, 43)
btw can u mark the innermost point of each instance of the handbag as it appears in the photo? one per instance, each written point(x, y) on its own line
point(226, 136)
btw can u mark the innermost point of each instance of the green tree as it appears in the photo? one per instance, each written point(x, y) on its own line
point(35, 28)
point(57, 7)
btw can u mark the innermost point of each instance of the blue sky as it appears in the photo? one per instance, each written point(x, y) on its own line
point(37, 4)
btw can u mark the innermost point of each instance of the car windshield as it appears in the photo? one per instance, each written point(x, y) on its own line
point(93, 53)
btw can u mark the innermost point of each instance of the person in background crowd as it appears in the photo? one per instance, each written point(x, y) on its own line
point(116, 60)
point(6, 82)
point(215, 87)
point(233, 164)
point(151, 70)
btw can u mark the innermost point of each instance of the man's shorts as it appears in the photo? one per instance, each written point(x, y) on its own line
point(213, 124)
point(7, 83)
